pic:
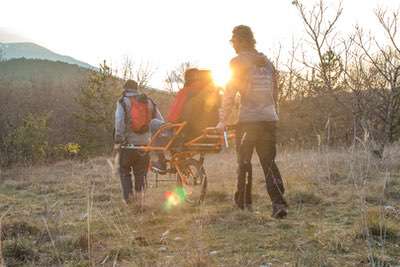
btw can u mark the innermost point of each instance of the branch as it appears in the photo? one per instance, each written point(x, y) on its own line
point(389, 26)
point(361, 44)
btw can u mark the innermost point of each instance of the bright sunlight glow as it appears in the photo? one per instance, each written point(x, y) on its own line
point(221, 76)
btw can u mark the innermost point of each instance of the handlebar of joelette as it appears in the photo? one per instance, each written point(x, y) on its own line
point(231, 127)
point(226, 139)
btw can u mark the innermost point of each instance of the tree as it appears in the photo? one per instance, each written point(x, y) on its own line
point(27, 143)
point(97, 102)
point(291, 83)
point(141, 73)
point(176, 78)
point(384, 66)
point(324, 67)
point(321, 32)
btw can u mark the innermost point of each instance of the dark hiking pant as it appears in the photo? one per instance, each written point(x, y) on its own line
point(261, 137)
point(136, 162)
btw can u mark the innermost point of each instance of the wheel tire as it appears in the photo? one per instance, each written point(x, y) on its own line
point(196, 177)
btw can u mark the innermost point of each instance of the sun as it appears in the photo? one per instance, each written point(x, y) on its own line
point(221, 76)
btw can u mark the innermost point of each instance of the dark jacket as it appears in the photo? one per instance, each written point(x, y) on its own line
point(201, 111)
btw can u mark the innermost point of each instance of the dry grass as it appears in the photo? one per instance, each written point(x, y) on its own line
point(344, 211)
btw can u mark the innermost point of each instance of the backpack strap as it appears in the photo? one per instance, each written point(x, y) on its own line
point(124, 107)
point(153, 108)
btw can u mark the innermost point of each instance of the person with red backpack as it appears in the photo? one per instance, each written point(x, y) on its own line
point(133, 115)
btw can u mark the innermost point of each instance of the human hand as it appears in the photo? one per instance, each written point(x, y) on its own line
point(220, 127)
point(117, 147)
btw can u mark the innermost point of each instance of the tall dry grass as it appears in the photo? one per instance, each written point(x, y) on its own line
point(343, 205)
point(2, 262)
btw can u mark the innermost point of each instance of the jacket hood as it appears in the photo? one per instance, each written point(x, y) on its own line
point(257, 58)
point(260, 59)
point(129, 92)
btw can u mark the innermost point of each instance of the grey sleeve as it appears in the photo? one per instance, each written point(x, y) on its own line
point(158, 115)
point(156, 112)
point(119, 124)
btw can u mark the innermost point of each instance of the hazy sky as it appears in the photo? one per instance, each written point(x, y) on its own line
point(165, 32)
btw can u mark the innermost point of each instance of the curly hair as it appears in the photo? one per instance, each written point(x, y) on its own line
point(243, 35)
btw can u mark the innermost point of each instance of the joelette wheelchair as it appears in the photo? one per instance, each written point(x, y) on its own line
point(185, 157)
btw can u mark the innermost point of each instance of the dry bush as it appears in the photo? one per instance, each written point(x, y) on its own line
point(380, 226)
point(19, 252)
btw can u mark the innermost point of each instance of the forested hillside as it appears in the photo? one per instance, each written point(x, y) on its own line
point(45, 106)
point(39, 107)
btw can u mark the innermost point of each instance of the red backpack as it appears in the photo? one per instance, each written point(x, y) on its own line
point(142, 109)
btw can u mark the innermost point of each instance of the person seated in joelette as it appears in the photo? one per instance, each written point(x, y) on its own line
point(197, 104)
point(190, 88)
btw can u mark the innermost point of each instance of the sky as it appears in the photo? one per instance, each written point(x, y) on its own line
point(165, 33)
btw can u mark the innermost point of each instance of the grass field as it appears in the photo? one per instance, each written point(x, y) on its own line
point(344, 211)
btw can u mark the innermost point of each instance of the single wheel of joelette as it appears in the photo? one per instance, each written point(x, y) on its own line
point(192, 177)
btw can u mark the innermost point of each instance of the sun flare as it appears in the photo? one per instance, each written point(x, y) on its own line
point(221, 76)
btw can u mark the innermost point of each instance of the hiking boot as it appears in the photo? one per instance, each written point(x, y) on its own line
point(236, 199)
point(128, 201)
point(159, 167)
point(125, 202)
point(279, 211)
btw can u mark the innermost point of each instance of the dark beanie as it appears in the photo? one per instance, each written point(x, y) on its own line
point(130, 84)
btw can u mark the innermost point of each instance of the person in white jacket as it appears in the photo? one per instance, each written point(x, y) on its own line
point(254, 78)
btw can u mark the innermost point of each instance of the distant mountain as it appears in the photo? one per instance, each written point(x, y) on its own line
point(34, 51)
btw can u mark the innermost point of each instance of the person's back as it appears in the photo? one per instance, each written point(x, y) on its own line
point(189, 89)
point(129, 115)
point(197, 103)
point(201, 109)
point(258, 100)
point(132, 117)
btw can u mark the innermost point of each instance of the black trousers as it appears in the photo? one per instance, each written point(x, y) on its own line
point(261, 137)
point(136, 162)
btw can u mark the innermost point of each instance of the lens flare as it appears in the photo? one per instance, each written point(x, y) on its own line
point(221, 76)
point(174, 198)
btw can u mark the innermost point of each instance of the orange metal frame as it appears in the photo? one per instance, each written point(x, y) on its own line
point(178, 127)
point(210, 141)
